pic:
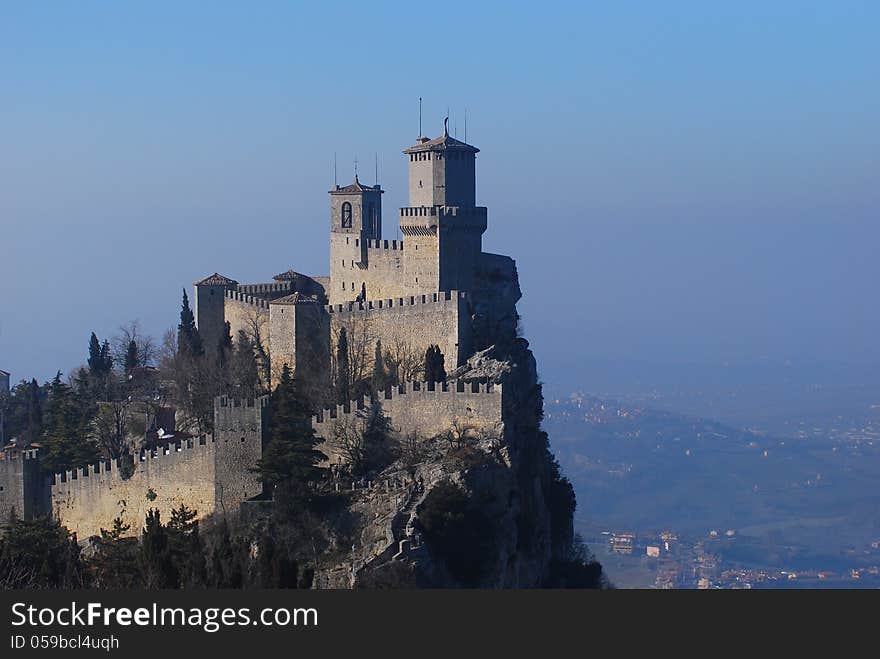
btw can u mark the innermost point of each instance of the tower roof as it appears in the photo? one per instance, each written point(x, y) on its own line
point(356, 187)
point(288, 275)
point(442, 143)
point(217, 280)
point(295, 298)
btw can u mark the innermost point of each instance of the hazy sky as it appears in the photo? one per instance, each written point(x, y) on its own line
point(678, 181)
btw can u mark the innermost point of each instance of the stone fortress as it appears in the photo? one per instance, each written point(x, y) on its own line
point(435, 287)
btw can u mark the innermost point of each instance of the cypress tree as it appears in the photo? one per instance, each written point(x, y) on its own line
point(132, 358)
point(95, 361)
point(34, 411)
point(225, 346)
point(106, 359)
point(381, 379)
point(188, 338)
point(343, 370)
point(290, 457)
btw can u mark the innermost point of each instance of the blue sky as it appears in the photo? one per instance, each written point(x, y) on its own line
point(679, 182)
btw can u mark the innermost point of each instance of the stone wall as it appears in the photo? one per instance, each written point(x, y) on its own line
point(210, 475)
point(409, 323)
point(425, 409)
point(23, 486)
point(245, 312)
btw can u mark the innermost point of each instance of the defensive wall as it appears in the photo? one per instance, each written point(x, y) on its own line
point(423, 408)
point(210, 475)
point(413, 321)
point(243, 311)
point(24, 489)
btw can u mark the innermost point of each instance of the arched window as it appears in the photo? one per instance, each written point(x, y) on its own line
point(346, 215)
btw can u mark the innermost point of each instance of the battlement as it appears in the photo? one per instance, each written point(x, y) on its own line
point(443, 211)
point(27, 454)
point(261, 290)
point(399, 394)
point(440, 297)
point(248, 299)
point(168, 455)
point(370, 243)
point(225, 401)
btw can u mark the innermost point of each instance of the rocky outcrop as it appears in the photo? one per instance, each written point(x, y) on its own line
point(509, 487)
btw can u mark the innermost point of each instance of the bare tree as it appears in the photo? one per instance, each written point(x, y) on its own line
point(405, 361)
point(464, 431)
point(147, 350)
point(110, 428)
point(360, 332)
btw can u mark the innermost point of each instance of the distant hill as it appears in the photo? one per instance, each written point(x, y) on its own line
point(638, 468)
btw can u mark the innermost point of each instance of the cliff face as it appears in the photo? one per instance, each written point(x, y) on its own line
point(482, 509)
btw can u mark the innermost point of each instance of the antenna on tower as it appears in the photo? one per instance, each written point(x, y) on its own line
point(355, 168)
point(420, 116)
point(376, 182)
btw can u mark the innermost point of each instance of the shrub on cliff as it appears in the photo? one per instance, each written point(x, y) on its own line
point(39, 553)
point(460, 535)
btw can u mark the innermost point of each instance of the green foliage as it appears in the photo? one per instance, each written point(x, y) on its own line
point(342, 377)
point(226, 561)
point(65, 439)
point(290, 455)
point(435, 369)
point(188, 339)
point(155, 560)
point(459, 534)
point(580, 570)
point(39, 553)
point(23, 416)
point(186, 548)
point(115, 561)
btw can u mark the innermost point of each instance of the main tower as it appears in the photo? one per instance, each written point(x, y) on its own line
point(443, 226)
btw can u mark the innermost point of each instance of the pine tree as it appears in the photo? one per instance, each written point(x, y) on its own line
point(188, 339)
point(291, 456)
point(186, 547)
point(343, 370)
point(155, 560)
point(65, 445)
point(115, 560)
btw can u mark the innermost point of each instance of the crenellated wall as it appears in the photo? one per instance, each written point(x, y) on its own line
point(246, 312)
point(413, 321)
point(210, 475)
point(423, 408)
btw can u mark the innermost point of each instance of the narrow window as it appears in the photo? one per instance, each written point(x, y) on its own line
point(346, 215)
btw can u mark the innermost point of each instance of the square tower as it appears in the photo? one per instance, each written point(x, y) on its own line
point(443, 225)
point(355, 218)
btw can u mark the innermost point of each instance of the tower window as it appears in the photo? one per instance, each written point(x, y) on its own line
point(346, 215)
